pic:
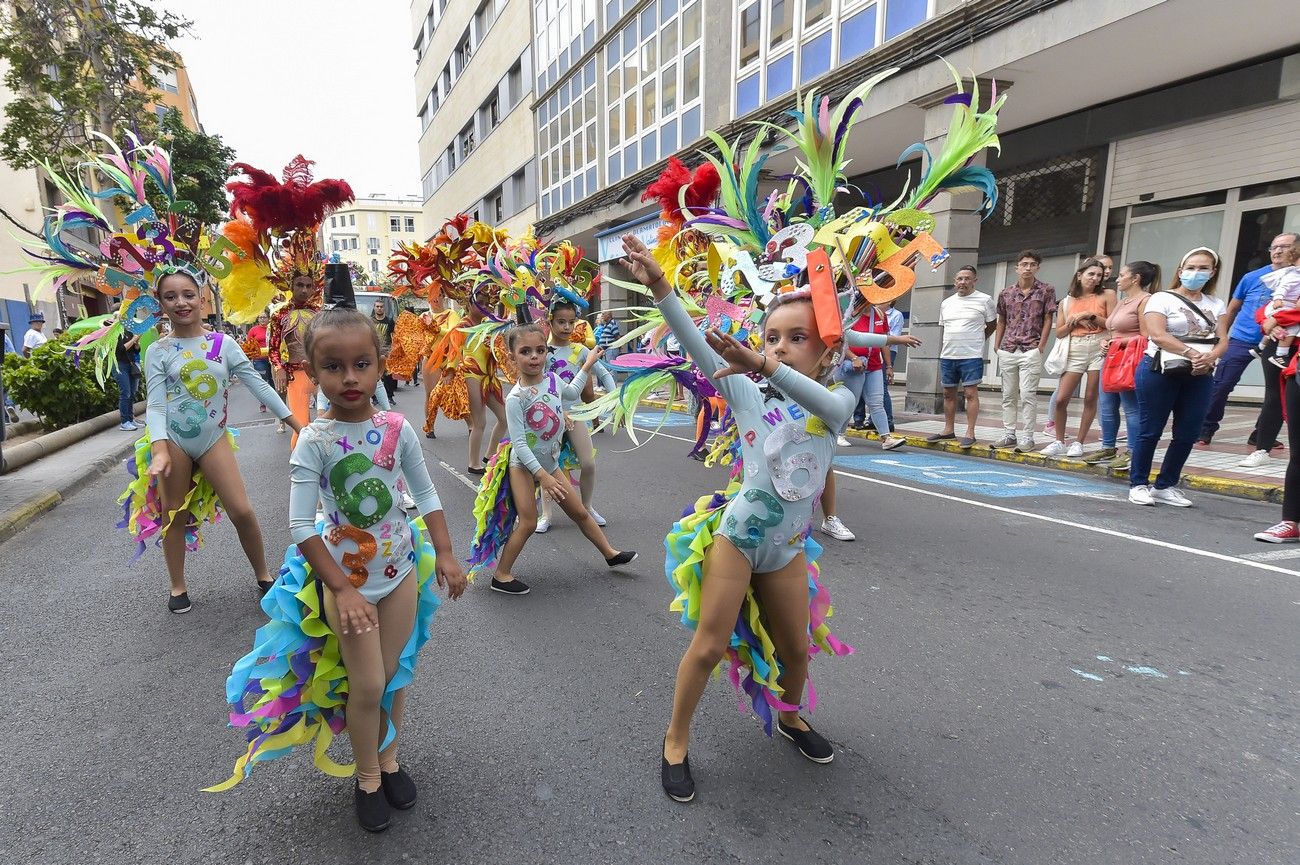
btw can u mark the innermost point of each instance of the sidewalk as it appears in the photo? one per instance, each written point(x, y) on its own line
point(1212, 468)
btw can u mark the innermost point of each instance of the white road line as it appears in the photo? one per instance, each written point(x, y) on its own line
point(458, 476)
point(1154, 542)
point(1273, 555)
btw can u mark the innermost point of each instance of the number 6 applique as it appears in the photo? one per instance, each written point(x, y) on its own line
point(755, 526)
point(783, 471)
point(350, 501)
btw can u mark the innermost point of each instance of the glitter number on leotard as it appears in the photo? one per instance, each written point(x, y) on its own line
point(202, 385)
point(755, 526)
point(783, 472)
point(542, 418)
point(192, 413)
point(350, 501)
point(357, 563)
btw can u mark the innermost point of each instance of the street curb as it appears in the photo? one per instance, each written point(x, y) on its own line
point(16, 519)
point(1252, 490)
point(30, 451)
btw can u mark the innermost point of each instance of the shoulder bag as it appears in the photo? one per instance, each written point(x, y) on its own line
point(1060, 353)
point(1173, 364)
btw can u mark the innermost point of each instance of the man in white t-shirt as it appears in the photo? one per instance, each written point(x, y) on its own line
point(34, 336)
point(967, 318)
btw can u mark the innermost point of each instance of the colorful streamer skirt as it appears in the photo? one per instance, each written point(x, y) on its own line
point(142, 510)
point(291, 690)
point(753, 664)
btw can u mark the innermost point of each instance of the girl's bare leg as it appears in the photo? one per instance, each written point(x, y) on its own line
point(222, 471)
point(396, 621)
point(582, 517)
point(523, 490)
point(727, 577)
point(498, 409)
point(1090, 392)
point(363, 657)
point(784, 596)
point(580, 437)
point(172, 490)
point(1064, 393)
point(477, 420)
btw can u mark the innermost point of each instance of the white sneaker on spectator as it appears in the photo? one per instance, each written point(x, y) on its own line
point(1140, 495)
point(837, 530)
point(1074, 450)
point(1025, 445)
point(129, 426)
point(1055, 449)
point(841, 441)
point(890, 442)
point(1007, 441)
point(1255, 460)
point(543, 526)
point(1172, 496)
point(600, 521)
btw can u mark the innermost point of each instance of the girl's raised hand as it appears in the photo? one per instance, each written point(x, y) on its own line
point(356, 615)
point(639, 260)
point(593, 355)
point(740, 358)
point(450, 576)
point(552, 487)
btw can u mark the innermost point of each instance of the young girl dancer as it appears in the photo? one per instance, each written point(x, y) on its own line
point(188, 452)
point(564, 359)
point(756, 568)
point(356, 587)
point(507, 498)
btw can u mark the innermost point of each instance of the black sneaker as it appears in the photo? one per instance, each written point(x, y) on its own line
point(372, 810)
point(179, 603)
point(811, 744)
point(676, 778)
point(264, 587)
point(626, 557)
point(398, 789)
point(478, 471)
point(514, 587)
point(431, 435)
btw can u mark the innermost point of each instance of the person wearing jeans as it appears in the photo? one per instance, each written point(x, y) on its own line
point(1025, 311)
point(1136, 281)
point(127, 375)
point(1287, 531)
point(1187, 331)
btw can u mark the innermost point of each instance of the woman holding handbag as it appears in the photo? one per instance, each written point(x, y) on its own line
point(1135, 282)
point(1187, 333)
point(1081, 319)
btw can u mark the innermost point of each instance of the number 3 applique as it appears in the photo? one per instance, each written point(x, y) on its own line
point(357, 563)
point(755, 526)
point(193, 414)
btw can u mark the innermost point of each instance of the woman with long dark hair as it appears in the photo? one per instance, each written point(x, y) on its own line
point(1136, 281)
point(1081, 318)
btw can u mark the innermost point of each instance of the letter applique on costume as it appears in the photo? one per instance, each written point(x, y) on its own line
point(796, 412)
point(750, 436)
point(774, 416)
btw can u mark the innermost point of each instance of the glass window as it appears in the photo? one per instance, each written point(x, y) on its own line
point(858, 34)
point(691, 125)
point(667, 8)
point(613, 85)
point(668, 91)
point(814, 11)
point(648, 104)
point(629, 78)
point(629, 38)
point(781, 22)
point(612, 172)
point(546, 170)
point(815, 58)
point(903, 15)
point(566, 161)
point(629, 159)
point(649, 149)
point(746, 95)
point(691, 24)
point(668, 137)
point(629, 116)
point(591, 179)
point(577, 188)
point(614, 135)
point(780, 76)
point(648, 22)
point(590, 156)
point(648, 59)
point(691, 77)
point(751, 20)
point(589, 104)
point(613, 51)
point(408, 223)
point(668, 42)
point(1163, 241)
point(611, 13)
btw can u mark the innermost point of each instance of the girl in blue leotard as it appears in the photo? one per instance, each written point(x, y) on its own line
point(191, 456)
point(752, 593)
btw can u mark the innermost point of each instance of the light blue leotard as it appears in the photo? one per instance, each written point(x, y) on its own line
point(535, 417)
point(787, 438)
point(566, 360)
point(187, 382)
point(352, 469)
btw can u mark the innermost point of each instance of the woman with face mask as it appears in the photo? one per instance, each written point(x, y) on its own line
point(1187, 333)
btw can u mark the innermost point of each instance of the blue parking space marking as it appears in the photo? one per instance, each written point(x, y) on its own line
point(970, 475)
point(650, 418)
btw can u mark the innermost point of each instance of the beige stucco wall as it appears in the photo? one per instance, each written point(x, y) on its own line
point(20, 198)
point(380, 210)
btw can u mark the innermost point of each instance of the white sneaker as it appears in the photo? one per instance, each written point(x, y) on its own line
point(841, 441)
point(837, 530)
point(1025, 445)
point(890, 442)
point(543, 526)
point(279, 428)
point(1055, 449)
point(1255, 460)
point(129, 426)
point(1171, 496)
point(600, 521)
point(1074, 450)
point(1140, 495)
point(407, 503)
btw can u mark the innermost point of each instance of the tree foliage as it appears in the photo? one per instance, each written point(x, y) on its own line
point(77, 65)
point(200, 167)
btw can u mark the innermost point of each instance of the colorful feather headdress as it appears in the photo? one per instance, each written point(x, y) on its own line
point(122, 228)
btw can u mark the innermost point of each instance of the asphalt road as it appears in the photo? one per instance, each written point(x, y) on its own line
point(1044, 674)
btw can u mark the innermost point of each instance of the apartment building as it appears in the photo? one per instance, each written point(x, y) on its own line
point(367, 231)
point(473, 84)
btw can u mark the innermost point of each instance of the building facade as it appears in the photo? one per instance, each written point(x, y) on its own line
point(473, 84)
point(366, 232)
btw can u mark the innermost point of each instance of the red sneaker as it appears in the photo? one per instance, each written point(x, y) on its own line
point(1282, 533)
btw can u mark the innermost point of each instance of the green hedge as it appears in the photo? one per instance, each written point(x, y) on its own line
point(52, 385)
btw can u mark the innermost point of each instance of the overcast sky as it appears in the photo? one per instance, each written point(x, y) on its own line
point(330, 79)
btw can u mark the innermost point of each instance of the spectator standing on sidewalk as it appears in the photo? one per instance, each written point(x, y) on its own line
point(967, 319)
point(896, 323)
point(127, 376)
point(1287, 531)
point(1025, 312)
point(384, 324)
point(607, 332)
point(35, 336)
point(1243, 335)
point(1081, 318)
point(1187, 329)
point(10, 409)
point(1137, 280)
